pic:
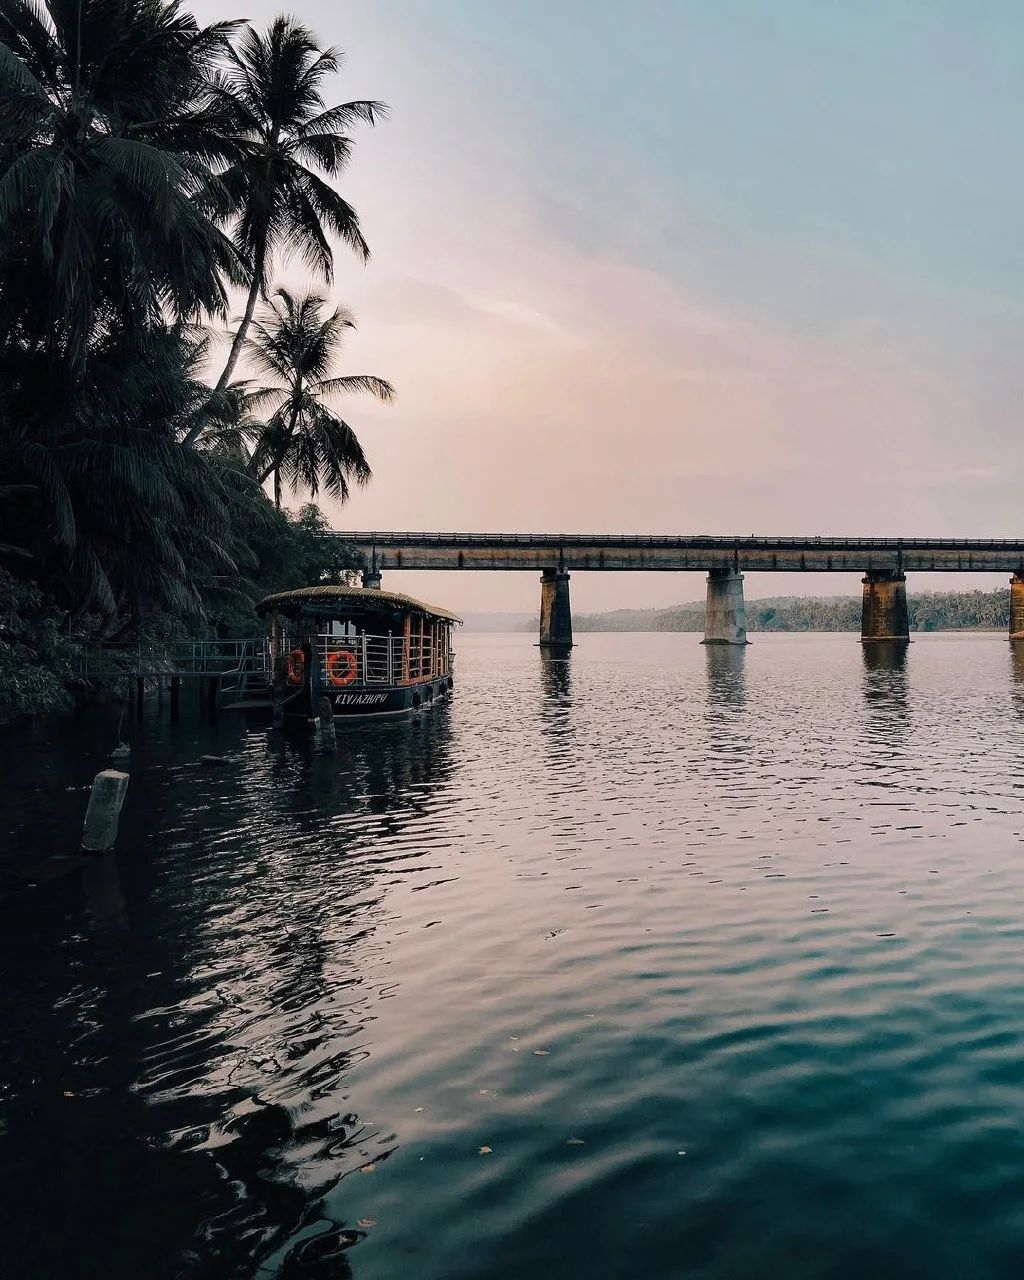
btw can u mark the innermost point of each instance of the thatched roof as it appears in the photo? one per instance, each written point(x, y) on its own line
point(363, 598)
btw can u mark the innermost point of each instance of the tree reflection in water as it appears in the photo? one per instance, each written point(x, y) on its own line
point(203, 1018)
point(305, 990)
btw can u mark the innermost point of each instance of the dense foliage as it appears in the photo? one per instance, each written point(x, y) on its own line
point(148, 166)
point(288, 550)
point(34, 651)
point(933, 611)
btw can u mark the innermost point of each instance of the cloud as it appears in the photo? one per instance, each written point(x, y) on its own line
point(577, 347)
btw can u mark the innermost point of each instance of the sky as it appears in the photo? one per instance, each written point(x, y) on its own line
point(683, 267)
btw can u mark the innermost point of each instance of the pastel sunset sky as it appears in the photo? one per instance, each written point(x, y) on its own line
point(692, 267)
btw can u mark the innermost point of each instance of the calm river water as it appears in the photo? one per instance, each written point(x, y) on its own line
point(660, 961)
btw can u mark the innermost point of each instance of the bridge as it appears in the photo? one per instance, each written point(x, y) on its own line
point(883, 562)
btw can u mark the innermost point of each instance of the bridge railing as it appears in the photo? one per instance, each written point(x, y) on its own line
point(714, 541)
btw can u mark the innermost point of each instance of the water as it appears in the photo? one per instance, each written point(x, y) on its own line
point(719, 953)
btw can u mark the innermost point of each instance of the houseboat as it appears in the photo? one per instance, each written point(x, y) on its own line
point(369, 652)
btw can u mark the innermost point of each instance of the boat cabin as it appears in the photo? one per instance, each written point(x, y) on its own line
point(369, 652)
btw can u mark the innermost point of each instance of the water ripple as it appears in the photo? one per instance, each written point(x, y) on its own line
point(652, 961)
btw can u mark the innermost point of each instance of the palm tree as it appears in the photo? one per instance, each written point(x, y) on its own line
point(284, 133)
point(108, 131)
point(304, 441)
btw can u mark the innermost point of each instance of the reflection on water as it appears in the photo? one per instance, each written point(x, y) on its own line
point(556, 672)
point(655, 960)
point(885, 655)
point(1016, 648)
point(886, 698)
point(726, 666)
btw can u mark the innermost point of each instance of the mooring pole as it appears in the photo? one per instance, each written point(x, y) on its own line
point(211, 696)
point(105, 800)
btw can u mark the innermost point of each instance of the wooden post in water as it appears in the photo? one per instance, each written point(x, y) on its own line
point(325, 720)
point(105, 800)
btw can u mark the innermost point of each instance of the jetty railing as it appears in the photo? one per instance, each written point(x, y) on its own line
point(176, 658)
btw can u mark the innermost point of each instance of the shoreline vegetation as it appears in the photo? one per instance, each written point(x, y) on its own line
point(155, 174)
point(929, 611)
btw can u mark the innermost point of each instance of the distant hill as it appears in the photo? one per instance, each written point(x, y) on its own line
point(499, 621)
point(929, 611)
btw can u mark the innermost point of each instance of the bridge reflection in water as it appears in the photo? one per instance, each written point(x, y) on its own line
point(882, 562)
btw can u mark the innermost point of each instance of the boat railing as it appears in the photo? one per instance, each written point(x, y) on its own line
point(378, 659)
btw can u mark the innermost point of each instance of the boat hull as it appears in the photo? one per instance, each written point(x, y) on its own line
point(363, 700)
point(394, 700)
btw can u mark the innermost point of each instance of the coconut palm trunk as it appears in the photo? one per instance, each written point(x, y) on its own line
point(285, 138)
point(281, 453)
point(238, 342)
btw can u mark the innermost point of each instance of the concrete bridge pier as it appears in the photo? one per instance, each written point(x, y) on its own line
point(883, 615)
point(371, 578)
point(1017, 606)
point(555, 611)
point(725, 617)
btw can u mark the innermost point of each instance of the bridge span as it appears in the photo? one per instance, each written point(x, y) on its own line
point(883, 562)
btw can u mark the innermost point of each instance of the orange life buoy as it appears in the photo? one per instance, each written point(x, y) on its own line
point(344, 658)
point(296, 666)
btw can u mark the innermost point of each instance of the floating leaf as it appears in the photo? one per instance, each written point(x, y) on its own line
point(484, 1091)
point(367, 1168)
point(418, 1110)
point(575, 1142)
point(485, 1151)
point(366, 1223)
point(541, 1053)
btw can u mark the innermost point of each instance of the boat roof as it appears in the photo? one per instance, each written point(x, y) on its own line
point(362, 598)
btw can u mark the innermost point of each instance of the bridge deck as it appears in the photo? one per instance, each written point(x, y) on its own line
point(578, 551)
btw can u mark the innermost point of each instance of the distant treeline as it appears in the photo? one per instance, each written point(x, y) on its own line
point(931, 611)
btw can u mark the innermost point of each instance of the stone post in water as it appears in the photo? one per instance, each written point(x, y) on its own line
point(884, 613)
point(108, 791)
point(725, 617)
